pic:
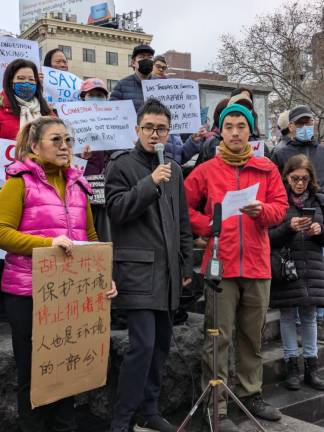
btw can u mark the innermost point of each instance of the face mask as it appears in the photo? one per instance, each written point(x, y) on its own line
point(305, 133)
point(95, 99)
point(145, 66)
point(25, 91)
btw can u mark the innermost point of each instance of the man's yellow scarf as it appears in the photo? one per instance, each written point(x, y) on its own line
point(235, 159)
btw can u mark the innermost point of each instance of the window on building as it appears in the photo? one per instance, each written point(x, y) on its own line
point(89, 55)
point(129, 60)
point(112, 58)
point(40, 53)
point(67, 51)
point(111, 84)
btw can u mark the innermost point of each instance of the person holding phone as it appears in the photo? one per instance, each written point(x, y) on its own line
point(302, 232)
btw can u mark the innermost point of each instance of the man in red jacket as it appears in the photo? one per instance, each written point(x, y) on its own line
point(245, 254)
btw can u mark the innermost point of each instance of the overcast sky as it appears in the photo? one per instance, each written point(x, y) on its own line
point(182, 25)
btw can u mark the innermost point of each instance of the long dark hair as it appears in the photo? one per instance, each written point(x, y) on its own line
point(49, 55)
point(301, 161)
point(8, 77)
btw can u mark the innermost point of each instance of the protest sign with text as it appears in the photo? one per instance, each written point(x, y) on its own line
point(13, 49)
point(7, 156)
point(106, 125)
point(60, 86)
point(181, 96)
point(71, 321)
point(258, 148)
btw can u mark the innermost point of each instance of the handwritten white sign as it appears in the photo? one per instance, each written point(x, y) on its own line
point(235, 200)
point(106, 125)
point(60, 86)
point(13, 49)
point(181, 96)
point(258, 148)
point(7, 155)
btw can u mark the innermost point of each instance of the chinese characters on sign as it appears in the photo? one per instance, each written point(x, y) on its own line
point(71, 321)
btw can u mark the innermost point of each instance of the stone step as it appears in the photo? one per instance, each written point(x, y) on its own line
point(305, 404)
point(274, 365)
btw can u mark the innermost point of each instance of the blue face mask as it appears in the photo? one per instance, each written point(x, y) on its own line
point(305, 133)
point(25, 90)
point(95, 99)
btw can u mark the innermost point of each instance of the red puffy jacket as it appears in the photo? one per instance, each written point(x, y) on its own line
point(244, 247)
point(9, 123)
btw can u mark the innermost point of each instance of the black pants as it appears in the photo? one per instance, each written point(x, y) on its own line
point(140, 373)
point(101, 222)
point(55, 417)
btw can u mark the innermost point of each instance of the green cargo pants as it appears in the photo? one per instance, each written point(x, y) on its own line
point(242, 305)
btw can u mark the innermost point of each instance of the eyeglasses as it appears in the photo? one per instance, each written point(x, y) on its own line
point(161, 132)
point(160, 67)
point(58, 140)
point(297, 179)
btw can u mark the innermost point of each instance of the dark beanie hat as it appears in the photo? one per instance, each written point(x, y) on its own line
point(236, 108)
point(299, 112)
point(142, 49)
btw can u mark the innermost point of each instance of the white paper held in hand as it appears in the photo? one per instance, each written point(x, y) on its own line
point(234, 200)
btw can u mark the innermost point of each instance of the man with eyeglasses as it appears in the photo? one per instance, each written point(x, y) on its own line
point(152, 260)
point(160, 67)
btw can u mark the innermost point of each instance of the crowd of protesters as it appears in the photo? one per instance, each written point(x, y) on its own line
point(271, 253)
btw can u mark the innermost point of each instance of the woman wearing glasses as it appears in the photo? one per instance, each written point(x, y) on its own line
point(44, 203)
point(303, 235)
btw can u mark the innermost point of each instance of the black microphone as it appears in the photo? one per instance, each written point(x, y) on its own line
point(159, 149)
point(217, 220)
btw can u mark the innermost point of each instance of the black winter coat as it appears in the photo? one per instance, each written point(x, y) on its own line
point(308, 256)
point(311, 149)
point(129, 88)
point(150, 231)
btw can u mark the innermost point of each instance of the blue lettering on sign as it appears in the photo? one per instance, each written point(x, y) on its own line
point(57, 78)
point(52, 78)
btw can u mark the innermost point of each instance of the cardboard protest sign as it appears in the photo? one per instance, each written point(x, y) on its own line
point(97, 183)
point(60, 86)
point(12, 49)
point(7, 156)
point(106, 125)
point(258, 148)
point(181, 96)
point(71, 321)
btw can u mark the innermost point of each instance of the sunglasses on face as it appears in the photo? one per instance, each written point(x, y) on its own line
point(296, 179)
point(58, 140)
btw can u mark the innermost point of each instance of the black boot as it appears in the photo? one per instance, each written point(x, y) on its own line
point(292, 381)
point(311, 376)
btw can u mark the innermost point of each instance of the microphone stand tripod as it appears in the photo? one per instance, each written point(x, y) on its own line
point(213, 278)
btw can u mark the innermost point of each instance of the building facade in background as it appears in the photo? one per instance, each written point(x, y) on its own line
point(92, 51)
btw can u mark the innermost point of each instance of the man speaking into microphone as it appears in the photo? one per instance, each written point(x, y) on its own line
point(152, 260)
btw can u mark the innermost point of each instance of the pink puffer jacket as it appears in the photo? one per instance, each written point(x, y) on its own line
point(45, 214)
